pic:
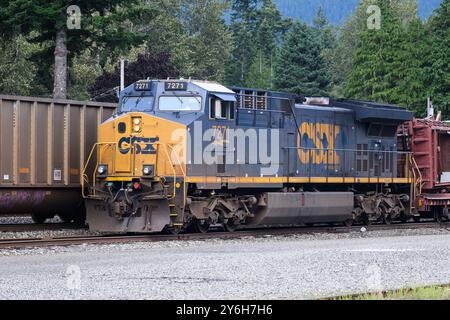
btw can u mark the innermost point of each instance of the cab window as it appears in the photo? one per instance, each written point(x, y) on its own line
point(137, 104)
point(180, 103)
point(221, 110)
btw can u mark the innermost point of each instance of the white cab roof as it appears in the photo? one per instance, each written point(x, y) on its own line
point(213, 87)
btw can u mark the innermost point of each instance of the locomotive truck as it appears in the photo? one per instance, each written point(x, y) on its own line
point(182, 154)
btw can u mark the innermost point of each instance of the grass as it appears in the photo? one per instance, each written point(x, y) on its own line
point(422, 293)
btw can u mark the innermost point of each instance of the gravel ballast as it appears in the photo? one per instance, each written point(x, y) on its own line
point(291, 267)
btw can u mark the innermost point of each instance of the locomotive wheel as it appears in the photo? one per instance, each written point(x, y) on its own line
point(404, 218)
point(387, 219)
point(366, 220)
point(201, 226)
point(66, 218)
point(38, 218)
point(76, 216)
point(172, 230)
point(438, 215)
point(230, 226)
point(348, 223)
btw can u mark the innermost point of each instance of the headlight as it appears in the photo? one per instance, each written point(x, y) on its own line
point(148, 170)
point(137, 124)
point(102, 170)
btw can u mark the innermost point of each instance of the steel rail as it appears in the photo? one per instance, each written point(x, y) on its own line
point(256, 232)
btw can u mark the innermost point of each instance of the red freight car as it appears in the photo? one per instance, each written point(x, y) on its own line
point(429, 141)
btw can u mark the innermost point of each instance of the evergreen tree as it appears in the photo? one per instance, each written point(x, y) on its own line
point(412, 83)
point(300, 68)
point(270, 26)
point(243, 29)
point(377, 59)
point(261, 72)
point(208, 41)
point(438, 74)
point(342, 59)
point(103, 22)
point(327, 38)
point(195, 35)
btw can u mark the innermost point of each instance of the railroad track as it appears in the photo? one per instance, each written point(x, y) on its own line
point(25, 227)
point(114, 239)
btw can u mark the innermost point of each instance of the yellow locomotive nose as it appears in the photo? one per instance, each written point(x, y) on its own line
point(144, 146)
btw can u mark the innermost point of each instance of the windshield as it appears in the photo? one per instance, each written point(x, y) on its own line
point(137, 104)
point(177, 103)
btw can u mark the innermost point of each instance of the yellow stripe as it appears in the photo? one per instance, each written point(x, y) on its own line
point(120, 178)
point(266, 180)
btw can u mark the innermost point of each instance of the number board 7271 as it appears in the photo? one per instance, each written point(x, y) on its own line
point(175, 86)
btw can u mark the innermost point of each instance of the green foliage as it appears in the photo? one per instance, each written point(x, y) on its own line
point(243, 30)
point(300, 67)
point(105, 26)
point(261, 73)
point(193, 33)
point(438, 72)
point(82, 74)
point(342, 58)
point(18, 73)
point(257, 27)
point(207, 41)
point(376, 61)
point(420, 293)
point(411, 84)
point(403, 63)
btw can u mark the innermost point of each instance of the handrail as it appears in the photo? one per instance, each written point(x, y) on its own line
point(173, 170)
point(348, 150)
point(183, 172)
point(420, 180)
point(85, 177)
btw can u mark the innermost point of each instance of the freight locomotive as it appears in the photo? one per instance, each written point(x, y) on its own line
point(182, 154)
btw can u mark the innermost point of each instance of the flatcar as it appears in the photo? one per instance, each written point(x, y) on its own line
point(183, 154)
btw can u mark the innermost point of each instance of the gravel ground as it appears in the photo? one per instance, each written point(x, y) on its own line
point(293, 267)
point(25, 220)
point(39, 233)
point(46, 234)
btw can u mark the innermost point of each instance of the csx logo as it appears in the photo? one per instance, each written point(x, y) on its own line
point(317, 143)
point(142, 145)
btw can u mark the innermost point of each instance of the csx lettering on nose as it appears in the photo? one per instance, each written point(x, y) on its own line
point(142, 145)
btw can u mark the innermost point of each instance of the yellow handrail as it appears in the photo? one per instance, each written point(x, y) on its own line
point(184, 175)
point(420, 180)
point(85, 177)
point(173, 170)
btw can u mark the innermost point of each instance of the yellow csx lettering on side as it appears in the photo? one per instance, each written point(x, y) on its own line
point(317, 143)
